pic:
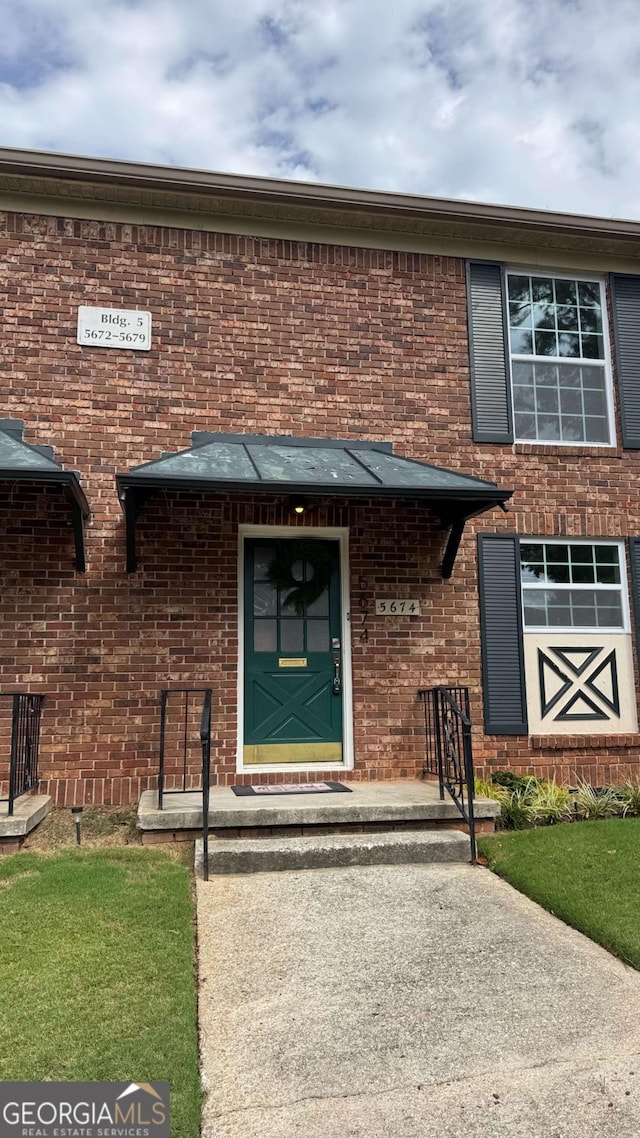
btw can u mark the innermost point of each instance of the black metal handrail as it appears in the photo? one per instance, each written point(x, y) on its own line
point(205, 742)
point(449, 752)
point(177, 709)
point(178, 712)
point(26, 712)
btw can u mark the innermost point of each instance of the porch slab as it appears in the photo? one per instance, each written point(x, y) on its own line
point(388, 802)
point(28, 812)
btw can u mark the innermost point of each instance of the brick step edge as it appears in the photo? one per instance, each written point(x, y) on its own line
point(448, 825)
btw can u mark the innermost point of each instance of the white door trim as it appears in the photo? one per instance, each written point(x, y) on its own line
point(333, 533)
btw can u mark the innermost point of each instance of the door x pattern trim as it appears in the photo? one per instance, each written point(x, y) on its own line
point(302, 691)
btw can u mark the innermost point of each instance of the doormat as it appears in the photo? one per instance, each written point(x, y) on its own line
point(294, 788)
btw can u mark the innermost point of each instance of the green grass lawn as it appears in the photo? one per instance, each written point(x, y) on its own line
point(587, 873)
point(97, 972)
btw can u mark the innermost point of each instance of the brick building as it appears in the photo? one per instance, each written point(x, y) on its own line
point(282, 441)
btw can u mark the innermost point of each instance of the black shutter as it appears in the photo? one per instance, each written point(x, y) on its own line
point(634, 557)
point(505, 704)
point(625, 301)
point(490, 387)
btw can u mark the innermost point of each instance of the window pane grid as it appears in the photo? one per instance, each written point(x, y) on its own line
point(548, 313)
point(559, 377)
point(571, 585)
point(277, 626)
point(547, 558)
point(573, 608)
point(559, 402)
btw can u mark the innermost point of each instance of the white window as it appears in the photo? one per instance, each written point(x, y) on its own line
point(569, 586)
point(559, 360)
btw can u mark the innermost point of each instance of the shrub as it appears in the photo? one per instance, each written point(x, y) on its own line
point(550, 803)
point(516, 808)
point(529, 801)
point(592, 803)
point(628, 796)
point(482, 788)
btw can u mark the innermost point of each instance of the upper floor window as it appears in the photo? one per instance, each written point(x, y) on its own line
point(559, 372)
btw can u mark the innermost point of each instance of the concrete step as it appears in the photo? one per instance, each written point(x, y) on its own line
point(398, 847)
point(28, 811)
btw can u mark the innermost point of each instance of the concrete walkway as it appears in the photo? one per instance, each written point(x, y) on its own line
point(406, 1002)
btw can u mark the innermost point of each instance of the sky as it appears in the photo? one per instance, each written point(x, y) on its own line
point(522, 102)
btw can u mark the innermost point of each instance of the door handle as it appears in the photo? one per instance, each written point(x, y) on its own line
point(337, 678)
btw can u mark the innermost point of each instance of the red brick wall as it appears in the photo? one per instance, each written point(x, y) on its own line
point(266, 336)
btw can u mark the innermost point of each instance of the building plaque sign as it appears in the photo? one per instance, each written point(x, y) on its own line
point(114, 328)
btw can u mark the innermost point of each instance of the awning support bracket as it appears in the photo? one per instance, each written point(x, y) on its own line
point(133, 502)
point(77, 521)
point(452, 547)
point(455, 523)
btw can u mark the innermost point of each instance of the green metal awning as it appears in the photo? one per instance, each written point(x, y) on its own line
point(20, 462)
point(312, 468)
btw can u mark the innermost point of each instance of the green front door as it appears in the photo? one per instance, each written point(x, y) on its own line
point(293, 652)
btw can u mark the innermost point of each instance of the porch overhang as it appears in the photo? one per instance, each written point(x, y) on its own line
point(35, 465)
point(311, 468)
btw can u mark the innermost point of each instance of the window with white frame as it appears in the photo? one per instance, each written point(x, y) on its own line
point(559, 371)
point(573, 586)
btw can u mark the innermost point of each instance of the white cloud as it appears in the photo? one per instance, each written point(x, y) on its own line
point(532, 102)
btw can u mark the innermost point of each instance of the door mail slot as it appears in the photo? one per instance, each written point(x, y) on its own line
point(293, 662)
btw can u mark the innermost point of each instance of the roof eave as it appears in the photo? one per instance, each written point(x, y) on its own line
point(25, 163)
point(67, 478)
point(315, 490)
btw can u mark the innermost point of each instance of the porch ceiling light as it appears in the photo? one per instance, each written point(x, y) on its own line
point(298, 505)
